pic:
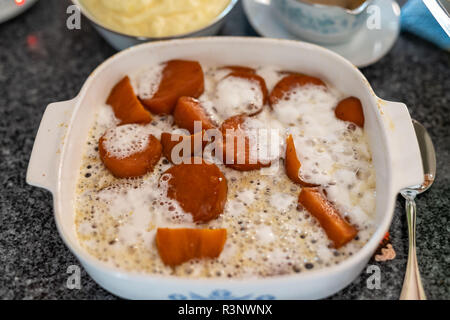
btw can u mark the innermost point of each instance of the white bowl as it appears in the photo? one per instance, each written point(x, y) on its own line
point(58, 149)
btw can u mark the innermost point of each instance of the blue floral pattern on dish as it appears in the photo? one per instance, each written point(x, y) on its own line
point(220, 295)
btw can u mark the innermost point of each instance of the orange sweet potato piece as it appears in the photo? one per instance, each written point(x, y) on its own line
point(127, 107)
point(289, 83)
point(187, 111)
point(241, 158)
point(169, 141)
point(179, 78)
point(240, 69)
point(350, 109)
point(292, 163)
point(134, 165)
point(176, 246)
point(200, 189)
point(337, 228)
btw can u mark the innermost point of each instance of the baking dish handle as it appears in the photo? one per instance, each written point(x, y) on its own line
point(45, 157)
point(403, 146)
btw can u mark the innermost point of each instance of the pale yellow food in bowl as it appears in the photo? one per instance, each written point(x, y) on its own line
point(155, 18)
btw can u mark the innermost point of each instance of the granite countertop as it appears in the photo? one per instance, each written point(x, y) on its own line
point(41, 61)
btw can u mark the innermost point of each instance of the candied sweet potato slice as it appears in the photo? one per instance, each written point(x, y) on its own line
point(292, 164)
point(350, 109)
point(241, 159)
point(176, 246)
point(187, 111)
point(169, 141)
point(289, 83)
point(179, 78)
point(200, 189)
point(134, 165)
point(126, 105)
point(235, 68)
point(337, 228)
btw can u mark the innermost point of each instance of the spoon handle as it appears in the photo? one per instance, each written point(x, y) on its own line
point(412, 284)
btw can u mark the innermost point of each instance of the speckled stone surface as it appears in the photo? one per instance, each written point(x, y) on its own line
point(42, 62)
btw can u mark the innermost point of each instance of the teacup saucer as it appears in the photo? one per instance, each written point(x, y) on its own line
point(365, 48)
point(11, 8)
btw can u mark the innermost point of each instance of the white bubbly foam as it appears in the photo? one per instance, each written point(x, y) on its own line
point(146, 82)
point(229, 96)
point(141, 209)
point(124, 141)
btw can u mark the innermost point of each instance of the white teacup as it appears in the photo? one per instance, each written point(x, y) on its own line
point(320, 23)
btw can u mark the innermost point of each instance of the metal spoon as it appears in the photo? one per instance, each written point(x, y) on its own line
point(412, 284)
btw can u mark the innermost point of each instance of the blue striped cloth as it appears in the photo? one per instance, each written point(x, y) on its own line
point(417, 19)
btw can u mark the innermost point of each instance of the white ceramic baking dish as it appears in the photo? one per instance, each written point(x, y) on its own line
point(59, 145)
